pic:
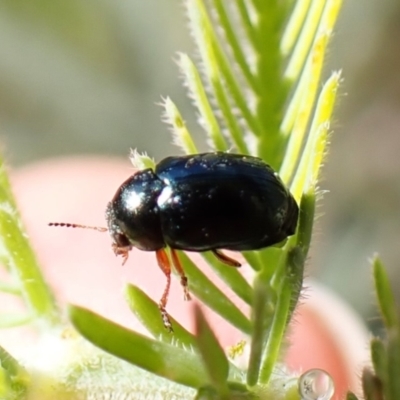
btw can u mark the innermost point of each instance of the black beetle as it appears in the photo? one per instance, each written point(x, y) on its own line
point(200, 202)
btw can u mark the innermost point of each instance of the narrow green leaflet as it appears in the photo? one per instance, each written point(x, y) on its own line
point(299, 76)
point(231, 276)
point(148, 313)
point(379, 359)
point(205, 290)
point(351, 396)
point(393, 364)
point(385, 295)
point(213, 356)
point(293, 27)
point(12, 320)
point(383, 382)
point(237, 49)
point(160, 358)
point(18, 257)
point(14, 379)
point(198, 94)
point(304, 40)
point(180, 133)
point(311, 158)
point(10, 288)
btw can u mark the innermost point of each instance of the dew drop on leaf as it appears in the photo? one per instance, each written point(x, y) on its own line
point(316, 384)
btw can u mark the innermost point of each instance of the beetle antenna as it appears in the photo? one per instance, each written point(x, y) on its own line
point(68, 225)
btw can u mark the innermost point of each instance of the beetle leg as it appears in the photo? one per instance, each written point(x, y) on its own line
point(122, 251)
point(225, 259)
point(163, 263)
point(181, 272)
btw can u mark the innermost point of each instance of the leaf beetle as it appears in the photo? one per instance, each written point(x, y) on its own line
point(199, 202)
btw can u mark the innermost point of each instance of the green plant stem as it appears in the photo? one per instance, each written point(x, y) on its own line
point(273, 89)
point(275, 336)
point(262, 315)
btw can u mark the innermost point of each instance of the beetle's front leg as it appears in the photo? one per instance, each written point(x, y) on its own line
point(121, 251)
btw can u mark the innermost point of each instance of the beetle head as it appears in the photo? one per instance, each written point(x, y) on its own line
point(132, 215)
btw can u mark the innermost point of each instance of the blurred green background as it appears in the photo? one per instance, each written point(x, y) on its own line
point(79, 77)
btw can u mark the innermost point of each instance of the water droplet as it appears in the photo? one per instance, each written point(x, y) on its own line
point(316, 384)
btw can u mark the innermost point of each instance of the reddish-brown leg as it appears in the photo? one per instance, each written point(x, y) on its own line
point(181, 272)
point(163, 262)
point(122, 251)
point(225, 259)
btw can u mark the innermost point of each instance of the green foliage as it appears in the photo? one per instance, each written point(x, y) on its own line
point(19, 259)
point(13, 377)
point(383, 382)
point(213, 356)
point(161, 358)
point(256, 92)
